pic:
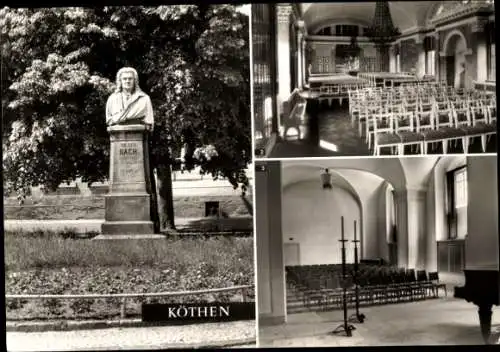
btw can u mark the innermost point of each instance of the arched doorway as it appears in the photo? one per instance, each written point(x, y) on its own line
point(455, 48)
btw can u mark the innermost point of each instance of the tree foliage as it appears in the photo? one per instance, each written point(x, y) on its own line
point(59, 66)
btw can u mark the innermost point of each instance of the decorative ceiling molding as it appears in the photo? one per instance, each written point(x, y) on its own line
point(283, 12)
point(455, 10)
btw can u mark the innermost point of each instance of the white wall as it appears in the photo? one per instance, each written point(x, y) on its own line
point(481, 244)
point(270, 273)
point(368, 187)
point(311, 217)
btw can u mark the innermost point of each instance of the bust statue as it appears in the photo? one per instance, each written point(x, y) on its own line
point(129, 104)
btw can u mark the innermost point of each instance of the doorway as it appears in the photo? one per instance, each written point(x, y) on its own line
point(450, 70)
point(455, 50)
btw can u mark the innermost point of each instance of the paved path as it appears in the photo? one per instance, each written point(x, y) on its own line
point(210, 334)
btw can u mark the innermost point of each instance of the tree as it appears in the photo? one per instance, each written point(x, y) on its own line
point(58, 68)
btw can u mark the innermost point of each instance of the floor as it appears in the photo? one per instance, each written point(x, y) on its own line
point(443, 321)
point(338, 137)
point(138, 338)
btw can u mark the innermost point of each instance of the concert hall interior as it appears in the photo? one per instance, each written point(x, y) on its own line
point(374, 78)
point(420, 238)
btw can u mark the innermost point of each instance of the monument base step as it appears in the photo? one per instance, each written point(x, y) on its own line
point(131, 237)
point(127, 227)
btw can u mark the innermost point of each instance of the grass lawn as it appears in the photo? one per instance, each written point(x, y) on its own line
point(49, 263)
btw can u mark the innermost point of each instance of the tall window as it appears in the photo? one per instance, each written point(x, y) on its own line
point(491, 52)
point(460, 188)
point(430, 56)
point(264, 73)
point(457, 202)
point(293, 56)
point(397, 50)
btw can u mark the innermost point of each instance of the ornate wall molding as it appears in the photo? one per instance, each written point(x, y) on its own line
point(450, 35)
point(479, 25)
point(456, 10)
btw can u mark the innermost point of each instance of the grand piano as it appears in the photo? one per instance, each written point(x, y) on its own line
point(482, 275)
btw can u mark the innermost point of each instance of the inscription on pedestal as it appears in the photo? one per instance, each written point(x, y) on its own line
point(130, 162)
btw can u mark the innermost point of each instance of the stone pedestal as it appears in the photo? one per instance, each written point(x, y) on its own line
point(127, 205)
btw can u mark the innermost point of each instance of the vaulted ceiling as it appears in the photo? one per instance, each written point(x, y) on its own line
point(406, 15)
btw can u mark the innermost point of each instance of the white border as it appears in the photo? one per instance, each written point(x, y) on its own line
point(252, 123)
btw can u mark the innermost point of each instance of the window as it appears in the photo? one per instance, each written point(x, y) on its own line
point(492, 65)
point(323, 64)
point(211, 208)
point(346, 30)
point(325, 31)
point(491, 52)
point(397, 54)
point(460, 188)
point(457, 202)
point(430, 56)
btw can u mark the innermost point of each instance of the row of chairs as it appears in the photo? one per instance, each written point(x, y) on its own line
point(420, 120)
point(379, 285)
point(399, 128)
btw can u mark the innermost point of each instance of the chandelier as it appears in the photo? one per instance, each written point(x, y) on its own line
point(326, 179)
point(382, 30)
point(353, 49)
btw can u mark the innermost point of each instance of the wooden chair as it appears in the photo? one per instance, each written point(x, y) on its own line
point(296, 117)
point(461, 115)
point(406, 130)
point(425, 282)
point(383, 133)
point(434, 278)
point(480, 126)
point(445, 129)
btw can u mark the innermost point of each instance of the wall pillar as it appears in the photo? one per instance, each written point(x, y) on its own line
point(410, 222)
point(283, 54)
point(481, 59)
point(269, 241)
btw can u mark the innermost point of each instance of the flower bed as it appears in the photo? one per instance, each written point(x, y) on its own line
point(51, 264)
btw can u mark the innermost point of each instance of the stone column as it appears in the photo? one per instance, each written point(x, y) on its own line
point(482, 59)
point(269, 243)
point(382, 57)
point(283, 55)
point(411, 227)
point(127, 205)
point(480, 41)
point(300, 58)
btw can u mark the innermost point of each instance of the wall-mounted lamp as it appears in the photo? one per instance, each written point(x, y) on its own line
point(326, 179)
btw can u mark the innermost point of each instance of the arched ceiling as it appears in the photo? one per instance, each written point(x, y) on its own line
point(311, 174)
point(389, 169)
point(406, 15)
point(401, 173)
